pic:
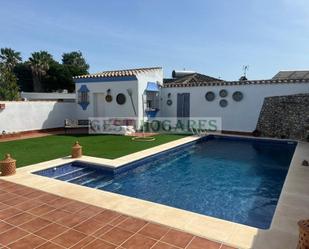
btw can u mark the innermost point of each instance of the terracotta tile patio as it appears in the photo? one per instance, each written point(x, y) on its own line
point(31, 218)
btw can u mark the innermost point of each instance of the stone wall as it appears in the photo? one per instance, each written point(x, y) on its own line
point(285, 117)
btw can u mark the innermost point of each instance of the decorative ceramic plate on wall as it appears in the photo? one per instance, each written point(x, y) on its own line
point(120, 99)
point(108, 98)
point(238, 96)
point(210, 96)
point(223, 103)
point(223, 93)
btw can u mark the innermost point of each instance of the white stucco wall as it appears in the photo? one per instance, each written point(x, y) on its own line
point(48, 96)
point(113, 109)
point(109, 109)
point(237, 116)
point(25, 116)
point(143, 79)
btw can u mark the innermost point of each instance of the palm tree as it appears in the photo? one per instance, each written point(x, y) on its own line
point(39, 63)
point(9, 58)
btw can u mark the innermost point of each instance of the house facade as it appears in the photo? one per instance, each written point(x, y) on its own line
point(237, 103)
point(142, 93)
point(117, 93)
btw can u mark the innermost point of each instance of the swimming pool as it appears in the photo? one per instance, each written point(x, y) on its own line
point(234, 179)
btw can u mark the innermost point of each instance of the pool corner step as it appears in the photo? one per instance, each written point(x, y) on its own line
point(79, 178)
point(97, 182)
point(59, 177)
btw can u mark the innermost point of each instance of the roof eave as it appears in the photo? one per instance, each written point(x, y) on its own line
point(233, 83)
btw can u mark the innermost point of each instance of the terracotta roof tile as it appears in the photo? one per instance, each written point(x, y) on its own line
point(118, 73)
point(191, 78)
point(233, 83)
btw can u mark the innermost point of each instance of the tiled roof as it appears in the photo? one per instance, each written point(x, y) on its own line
point(296, 74)
point(118, 73)
point(191, 79)
point(233, 83)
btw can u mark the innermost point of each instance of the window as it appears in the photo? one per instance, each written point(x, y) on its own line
point(83, 96)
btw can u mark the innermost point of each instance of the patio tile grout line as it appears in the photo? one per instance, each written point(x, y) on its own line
point(189, 242)
point(28, 232)
point(115, 226)
point(55, 222)
point(133, 233)
point(72, 228)
point(33, 233)
point(36, 216)
point(98, 237)
point(160, 240)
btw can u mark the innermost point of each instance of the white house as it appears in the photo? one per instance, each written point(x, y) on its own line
point(118, 93)
point(136, 93)
point(187, 94)
point(238, 103)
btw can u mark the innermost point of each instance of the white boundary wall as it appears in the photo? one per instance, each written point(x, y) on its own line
point(237, 116)
point(48, 96)
point(36, 115)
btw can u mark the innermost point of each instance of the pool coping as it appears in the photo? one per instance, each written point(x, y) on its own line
point(292, 205)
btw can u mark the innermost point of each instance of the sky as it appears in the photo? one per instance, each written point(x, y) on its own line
point(213, 37)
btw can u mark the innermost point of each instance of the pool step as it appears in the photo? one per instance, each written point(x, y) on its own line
point(113, 188)
point(57, 172)
point(98, 181)
point(94, 180)
point(81, 178)
point(62, 176)
point(104, 184)
point(74, 174)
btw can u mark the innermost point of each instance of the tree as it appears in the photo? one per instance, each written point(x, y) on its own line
point(58, 77)
point(8, 84)
point(24, 77)
point(41, 72)
point(39, 63)
point(9, 58)
point(75, 62)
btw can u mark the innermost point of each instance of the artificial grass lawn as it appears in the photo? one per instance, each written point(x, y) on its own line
point(35, 150)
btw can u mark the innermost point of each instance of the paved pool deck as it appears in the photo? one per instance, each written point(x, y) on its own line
point(283, 233)
point(31, 218)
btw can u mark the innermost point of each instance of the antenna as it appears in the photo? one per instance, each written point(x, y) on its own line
point(245, 69)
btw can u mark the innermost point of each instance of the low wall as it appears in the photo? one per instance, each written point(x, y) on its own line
point(285, 116)
point(37, 115)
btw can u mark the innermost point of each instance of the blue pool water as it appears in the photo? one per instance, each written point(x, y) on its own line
point(234, 179)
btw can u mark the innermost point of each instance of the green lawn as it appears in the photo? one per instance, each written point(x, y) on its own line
point(35, 150)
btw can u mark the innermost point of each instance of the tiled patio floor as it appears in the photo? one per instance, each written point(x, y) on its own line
point(35, 219)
